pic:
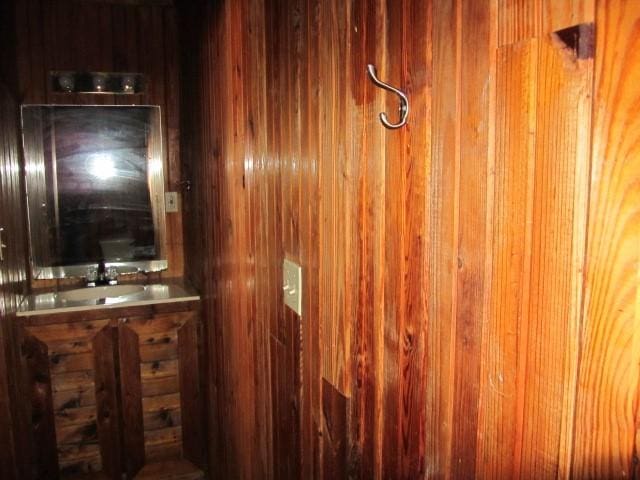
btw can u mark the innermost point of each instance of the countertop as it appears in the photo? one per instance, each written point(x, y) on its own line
point(51, 302)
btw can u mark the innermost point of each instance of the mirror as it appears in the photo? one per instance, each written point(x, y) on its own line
point(95, 188)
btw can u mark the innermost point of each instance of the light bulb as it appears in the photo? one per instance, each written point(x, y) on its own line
point(99, 83)
point(128, 83)
point(66, 82)
point(101, 166)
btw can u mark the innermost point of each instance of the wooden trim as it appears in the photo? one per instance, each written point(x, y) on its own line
point(131, 397)
point(191, 394)
point(109, 421)
point(45, 453)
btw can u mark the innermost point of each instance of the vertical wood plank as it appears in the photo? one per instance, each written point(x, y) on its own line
point(474, 124)
point(335, 407)
point(607, 397)
point(392, 68)
point(35, 53)
point(368, 150)
point(416, 80)
point(105, 358)
point(255, 172)
point(13, 279)
point(311, 386)
point(45, 453)
point(171, 126)
point(279, 434)
point(192, 415)
point(442, 208)
point(334, 177)
point(510, 249)
point(7, 458)
point(559, 210)
point(131, 399)
point(528, 398)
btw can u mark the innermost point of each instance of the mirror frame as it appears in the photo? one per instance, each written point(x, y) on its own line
point(157, 163)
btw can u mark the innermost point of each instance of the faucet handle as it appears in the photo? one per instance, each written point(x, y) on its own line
point(92, 273)
point(111, 274)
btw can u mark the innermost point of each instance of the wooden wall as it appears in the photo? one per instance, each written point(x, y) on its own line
point(13, 279)
point(224, 140)
point(470, 302)
point(110, 36)
point(607, 416)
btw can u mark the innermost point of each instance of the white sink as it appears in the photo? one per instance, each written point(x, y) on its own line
point(97, 293)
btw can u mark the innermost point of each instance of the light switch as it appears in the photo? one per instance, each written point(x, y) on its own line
point(292, 285)
point(171, 202)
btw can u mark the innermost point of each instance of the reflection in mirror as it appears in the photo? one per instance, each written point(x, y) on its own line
point(94, 188)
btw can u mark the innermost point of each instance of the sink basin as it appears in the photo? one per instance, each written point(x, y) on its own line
point(97, 293)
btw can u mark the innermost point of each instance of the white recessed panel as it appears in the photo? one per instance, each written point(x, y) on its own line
point(292, 285)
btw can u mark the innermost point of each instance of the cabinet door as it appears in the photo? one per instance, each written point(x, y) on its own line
point(72, 383)
point(161, 394)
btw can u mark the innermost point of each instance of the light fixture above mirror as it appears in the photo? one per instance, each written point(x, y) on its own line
point(113, 83)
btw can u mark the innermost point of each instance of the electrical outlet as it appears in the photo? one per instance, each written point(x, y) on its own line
point(171, 202)
point(292, 285)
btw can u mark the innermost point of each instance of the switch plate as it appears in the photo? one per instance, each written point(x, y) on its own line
point(171, 202)
point(292, 285)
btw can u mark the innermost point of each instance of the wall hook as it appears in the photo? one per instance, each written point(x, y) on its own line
point(186, 185)
point(404, 101)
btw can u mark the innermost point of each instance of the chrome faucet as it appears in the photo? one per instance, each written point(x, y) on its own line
point(102, 275)
point(102, 270)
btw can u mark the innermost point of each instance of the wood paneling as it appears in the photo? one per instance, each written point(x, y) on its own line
point(470, 281)
point(191, 394)
point(407, 64)
point(226, 150)
point(131, 36)
point(471, 222)
point(607, 414)
point(277, 176)
point(13, 282)
point(336, 441)
point(537, 251)
point(442, 221)
point(524, 19)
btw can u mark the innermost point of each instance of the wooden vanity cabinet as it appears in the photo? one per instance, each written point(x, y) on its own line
point(115, 393)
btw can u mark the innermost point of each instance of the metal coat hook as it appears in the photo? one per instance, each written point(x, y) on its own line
point(404, 101)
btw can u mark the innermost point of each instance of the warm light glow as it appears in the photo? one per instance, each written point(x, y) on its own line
point(101, 166)
point(155, 166)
